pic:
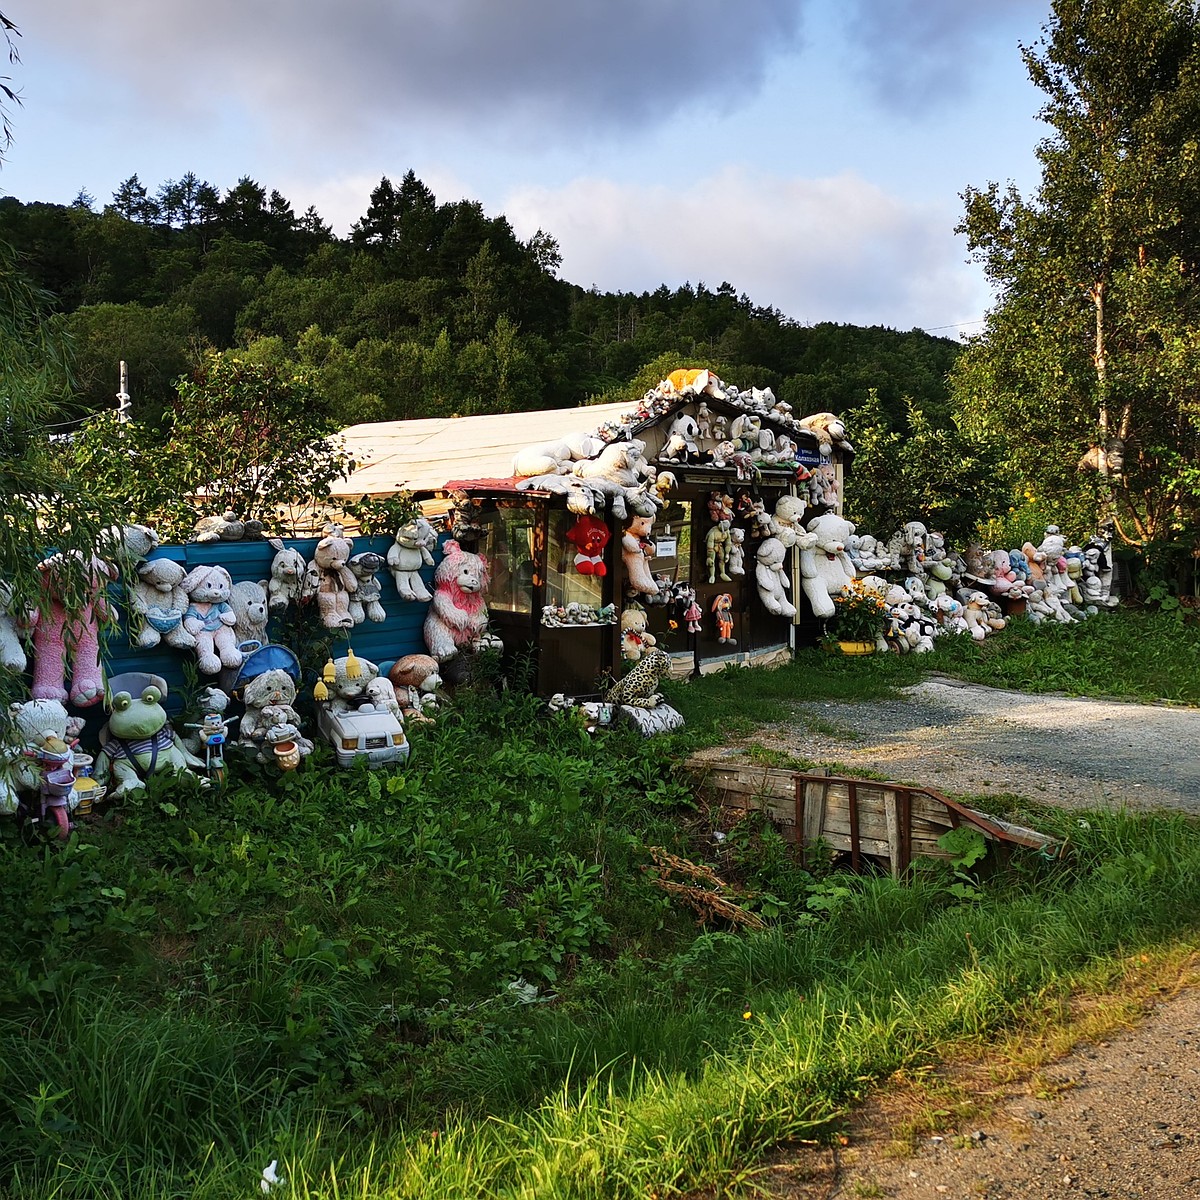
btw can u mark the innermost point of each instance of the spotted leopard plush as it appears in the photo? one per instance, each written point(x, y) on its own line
point(638, 688)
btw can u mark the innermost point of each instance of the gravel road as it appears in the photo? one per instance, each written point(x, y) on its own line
point(976, 741)
point(1115, 1119)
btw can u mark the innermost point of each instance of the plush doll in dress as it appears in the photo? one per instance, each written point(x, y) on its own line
point(366, 604)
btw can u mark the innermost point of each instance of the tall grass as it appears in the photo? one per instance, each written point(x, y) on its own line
point(1132, 653)
point(646, 1078)
point(458, 979)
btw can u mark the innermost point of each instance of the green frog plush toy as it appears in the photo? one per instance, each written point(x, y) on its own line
point(138, 740)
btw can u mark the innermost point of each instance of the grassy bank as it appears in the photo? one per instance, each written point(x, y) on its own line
point(461, 978)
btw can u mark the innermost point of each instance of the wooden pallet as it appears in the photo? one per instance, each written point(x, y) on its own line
point(889, 823)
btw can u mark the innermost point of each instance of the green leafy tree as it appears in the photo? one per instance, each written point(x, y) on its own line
point(916, 469)
point(42, 506)
point(155, 342)
point(1091, 354)
point(245, 434)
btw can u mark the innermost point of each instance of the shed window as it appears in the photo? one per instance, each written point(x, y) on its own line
point(510, 548)
point(564, 583)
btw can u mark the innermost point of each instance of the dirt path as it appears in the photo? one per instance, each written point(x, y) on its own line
point(977, 741)
point(1115, 1119)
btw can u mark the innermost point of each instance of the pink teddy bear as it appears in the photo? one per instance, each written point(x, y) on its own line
point(59, 634)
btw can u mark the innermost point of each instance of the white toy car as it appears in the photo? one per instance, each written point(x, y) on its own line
point(375, 734)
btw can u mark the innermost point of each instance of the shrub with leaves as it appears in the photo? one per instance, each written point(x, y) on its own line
point(243, 435)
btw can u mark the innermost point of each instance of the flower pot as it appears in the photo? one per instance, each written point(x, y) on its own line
point(853, 647)
point(287, 756)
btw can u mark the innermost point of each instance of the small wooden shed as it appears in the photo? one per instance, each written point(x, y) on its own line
point(536, 590)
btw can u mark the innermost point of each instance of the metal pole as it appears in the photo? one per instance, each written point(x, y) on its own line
point(123, 397)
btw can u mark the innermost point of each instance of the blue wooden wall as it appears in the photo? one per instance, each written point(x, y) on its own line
point(382, 643)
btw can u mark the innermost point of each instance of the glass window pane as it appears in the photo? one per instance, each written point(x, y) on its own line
point(509, 547)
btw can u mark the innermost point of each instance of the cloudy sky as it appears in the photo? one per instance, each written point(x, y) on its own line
point(810, 152)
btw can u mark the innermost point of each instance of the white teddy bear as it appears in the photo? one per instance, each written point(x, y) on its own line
point(771, 577)
point(249, 603)
point(825, 566)
point(789, 515)
point(158, 602)
point(412, 551)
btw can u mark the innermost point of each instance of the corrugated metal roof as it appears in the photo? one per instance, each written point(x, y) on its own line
point(422, 455)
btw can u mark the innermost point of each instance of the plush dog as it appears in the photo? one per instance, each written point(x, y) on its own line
point(286, 584)
point(416, 679)
point(457, 617)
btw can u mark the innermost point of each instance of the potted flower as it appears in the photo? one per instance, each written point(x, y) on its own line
point(861, 618)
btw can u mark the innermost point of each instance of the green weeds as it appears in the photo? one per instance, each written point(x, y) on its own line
point(457, 979)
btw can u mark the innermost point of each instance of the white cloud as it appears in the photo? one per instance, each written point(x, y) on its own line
point(832, 249)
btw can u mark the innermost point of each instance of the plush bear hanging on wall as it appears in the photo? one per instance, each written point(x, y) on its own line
point(637, 549)
point(331, 580)
point(589, 535)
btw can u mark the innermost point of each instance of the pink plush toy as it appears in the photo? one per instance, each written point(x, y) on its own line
point(457, 617)
point(59, 635)
point(210, 618)
point(1003, 576)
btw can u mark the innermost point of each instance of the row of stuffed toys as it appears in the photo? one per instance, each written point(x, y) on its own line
point(928, 589)
point(225, 625)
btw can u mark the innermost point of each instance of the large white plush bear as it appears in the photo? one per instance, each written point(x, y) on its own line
point(555, 458)
point(771, 576)
point(825, 566)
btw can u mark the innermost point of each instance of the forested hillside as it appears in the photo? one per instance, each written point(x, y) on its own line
point(425, 309)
